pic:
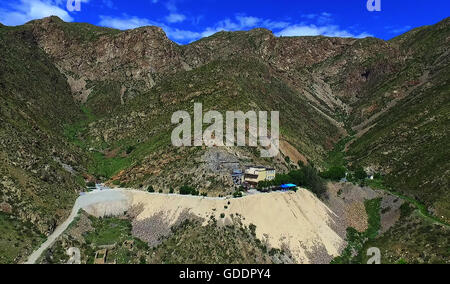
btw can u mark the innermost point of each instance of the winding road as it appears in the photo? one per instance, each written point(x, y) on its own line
point(94, 197)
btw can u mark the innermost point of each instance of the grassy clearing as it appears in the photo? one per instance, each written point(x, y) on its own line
point(73, 131)
point(114, 232)
point(102, 166)
point(108, 231)
point(336, 158)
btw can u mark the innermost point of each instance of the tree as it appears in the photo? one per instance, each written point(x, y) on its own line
point(237, 194)
point(188, 190)
point(150, 189)
point(360, 173)
point(297, 177)
point(314, 182)
point(130, 149)
point(185, 190)
point(90, 184)
point(334, 173)
point(281, 179)
point(262, 185)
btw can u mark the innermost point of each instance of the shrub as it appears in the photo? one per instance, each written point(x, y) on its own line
point(237, 194)
point(90, 184)
point(334, 173)
point(360, 174)
point(188, 190)
point(313, 181)
point(261, 186)
point(297, 177)
point(150, 189)
point(306, 176)
point(130, 149)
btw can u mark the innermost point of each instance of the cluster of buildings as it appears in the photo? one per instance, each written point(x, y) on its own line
point(253, 175)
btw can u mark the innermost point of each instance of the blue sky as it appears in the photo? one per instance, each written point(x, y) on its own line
point(185, 21)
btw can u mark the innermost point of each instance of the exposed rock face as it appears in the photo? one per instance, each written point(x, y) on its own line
point(135, 57)
point(139, 58)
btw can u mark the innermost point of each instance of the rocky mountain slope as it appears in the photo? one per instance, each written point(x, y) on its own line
point(39, 176)
point(79, 101)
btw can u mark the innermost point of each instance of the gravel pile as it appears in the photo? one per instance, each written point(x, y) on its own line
point(155, 229)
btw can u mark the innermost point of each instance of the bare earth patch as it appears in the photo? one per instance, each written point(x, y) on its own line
point(297, 221)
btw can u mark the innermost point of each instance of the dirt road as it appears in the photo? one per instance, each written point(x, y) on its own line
point(84, 201)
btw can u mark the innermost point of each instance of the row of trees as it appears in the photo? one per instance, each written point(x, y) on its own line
point(306, 176)
point(184, 190)
point(188, 190)
point(356, 175)
point(334, 173)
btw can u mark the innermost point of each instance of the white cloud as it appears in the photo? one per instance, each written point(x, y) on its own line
point(248, 22)
point(182, 36)
point(274, 25)
point(27, 10)
point(239, 22)
point(124, 23)
point(398, 30)
point(314, 30)
point(175, 18)
point(171, 6)
point(109, 4)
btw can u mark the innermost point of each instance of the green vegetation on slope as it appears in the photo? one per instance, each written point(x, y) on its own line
point(35, 180)
point(91, 234)
point(354, 251)
point(190, 242)
point(413, 239)
point(412, 141)
point(306, 176)
point(17, 239)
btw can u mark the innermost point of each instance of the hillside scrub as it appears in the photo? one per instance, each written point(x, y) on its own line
point(353, 253)
point(334, 173)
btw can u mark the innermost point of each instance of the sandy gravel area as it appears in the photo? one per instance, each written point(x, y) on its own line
point(297, 221)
